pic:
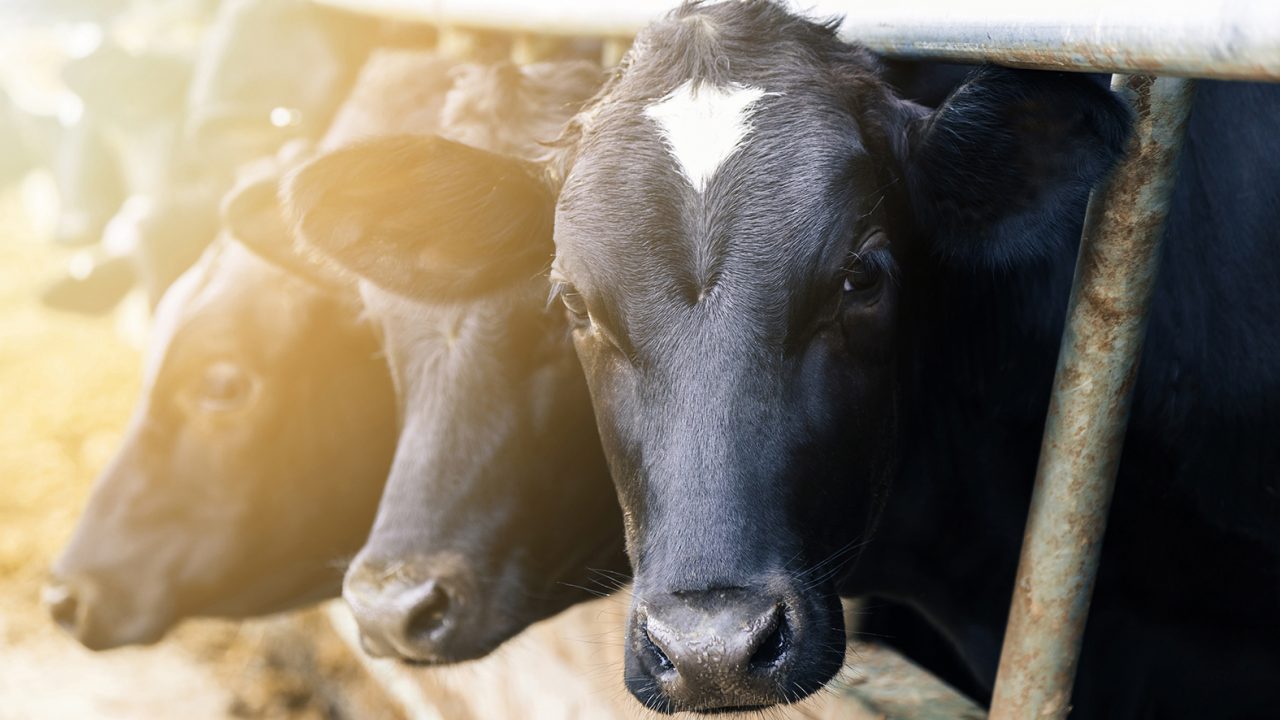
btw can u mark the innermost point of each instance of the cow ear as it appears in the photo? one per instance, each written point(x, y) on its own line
point(1001, 172)
point(425, 217)
point(253, 215)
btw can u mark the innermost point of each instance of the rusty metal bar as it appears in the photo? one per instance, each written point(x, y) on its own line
point(1230, 39)
point(1089, 409)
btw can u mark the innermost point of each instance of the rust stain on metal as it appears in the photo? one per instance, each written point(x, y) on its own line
point(1084, 431)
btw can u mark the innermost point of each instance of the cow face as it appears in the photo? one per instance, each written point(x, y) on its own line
point(742, 237)
point(251, 469)
point(498, 502)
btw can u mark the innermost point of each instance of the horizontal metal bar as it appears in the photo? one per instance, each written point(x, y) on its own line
point(1229, 39)
point(1089, 408)
point(1233, 39)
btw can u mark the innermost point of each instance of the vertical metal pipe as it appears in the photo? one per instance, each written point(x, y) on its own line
point(1089, 409)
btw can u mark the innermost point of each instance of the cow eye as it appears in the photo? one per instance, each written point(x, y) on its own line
point(573, 302)
point(861, 276)
point(866, 269)
point(224, 387)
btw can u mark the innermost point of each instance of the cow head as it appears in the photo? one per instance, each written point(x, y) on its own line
point(498, 503)
point(252, 467)
point(743, 241)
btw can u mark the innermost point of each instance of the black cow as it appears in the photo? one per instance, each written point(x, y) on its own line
point(251, 469)
point(263, 389)
point(819, 325)
point(811, 310)
point(498, 510)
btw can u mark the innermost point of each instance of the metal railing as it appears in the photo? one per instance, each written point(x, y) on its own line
point(1089, 408)
point(1229, 39)
point(1119, 249)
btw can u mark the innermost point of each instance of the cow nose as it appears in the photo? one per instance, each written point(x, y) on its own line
point(737, 647)
point(416, 620)
point(714, 650)
point(63, 603)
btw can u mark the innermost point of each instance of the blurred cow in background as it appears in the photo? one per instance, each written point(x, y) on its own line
point(252, 466)
point(263, 389)
point(498, 511)
point(270, 71)
point(257, 455)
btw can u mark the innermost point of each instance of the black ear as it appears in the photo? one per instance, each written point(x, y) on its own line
point(425, 217)
point(1001, 172)
point(252, 214)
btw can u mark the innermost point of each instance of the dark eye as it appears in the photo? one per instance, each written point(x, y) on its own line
point(224, 386)
point(573, 301)
point(866, 268)
point(862, 275)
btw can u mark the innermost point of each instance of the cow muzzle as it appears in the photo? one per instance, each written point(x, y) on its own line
point(88, 611)
point(415, 610)
point(715, 650)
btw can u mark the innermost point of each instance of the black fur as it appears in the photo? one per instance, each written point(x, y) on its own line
point(1008, 161)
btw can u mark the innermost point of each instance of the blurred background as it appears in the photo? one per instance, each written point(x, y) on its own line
point(70, 372)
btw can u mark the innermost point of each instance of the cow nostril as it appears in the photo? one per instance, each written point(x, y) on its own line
point(773, 646)
point(659, 656)
point(429, 614)
point(63, 605)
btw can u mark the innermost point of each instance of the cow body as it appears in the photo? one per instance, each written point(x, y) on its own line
point(1188, 552)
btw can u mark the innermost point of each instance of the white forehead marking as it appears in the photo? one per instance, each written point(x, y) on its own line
point(703, 125)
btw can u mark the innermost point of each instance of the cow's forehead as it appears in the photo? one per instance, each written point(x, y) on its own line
point(724, 163)
point(709, 168)
point(703, 124)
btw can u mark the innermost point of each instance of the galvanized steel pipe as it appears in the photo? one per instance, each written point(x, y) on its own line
point(1233, 39)
point(1229, 39)
point(1089, 408)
